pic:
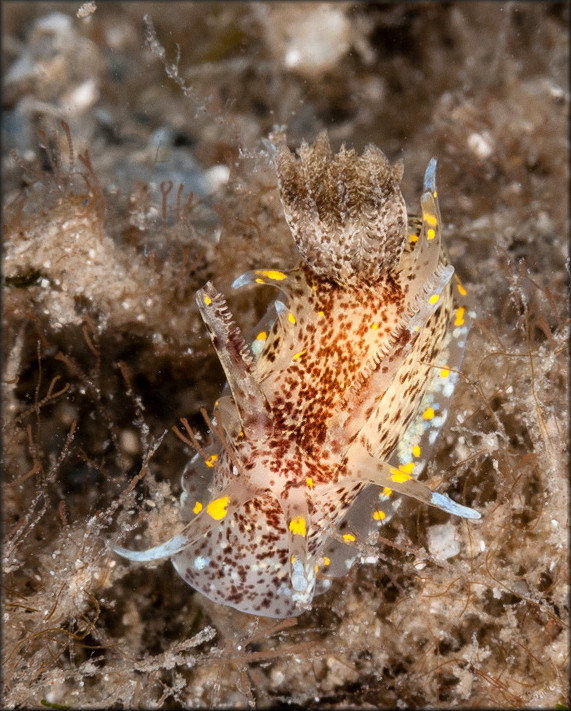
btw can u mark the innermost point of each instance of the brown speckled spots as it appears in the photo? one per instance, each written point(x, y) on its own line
point(340, 376)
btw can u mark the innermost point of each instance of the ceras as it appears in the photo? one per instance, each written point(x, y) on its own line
point(335, 404)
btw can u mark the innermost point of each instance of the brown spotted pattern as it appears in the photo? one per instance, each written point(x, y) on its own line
point(330, 391)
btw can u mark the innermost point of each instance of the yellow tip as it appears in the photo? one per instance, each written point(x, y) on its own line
point(399, 477)
point(273, 274)
point(297, 526)
point(217, 508)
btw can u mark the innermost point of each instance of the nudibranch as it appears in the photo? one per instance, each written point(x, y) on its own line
point(331, 411)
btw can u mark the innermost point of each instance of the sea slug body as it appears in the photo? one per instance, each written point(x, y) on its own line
point(331, 412)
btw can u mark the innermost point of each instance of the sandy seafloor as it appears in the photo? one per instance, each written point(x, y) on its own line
point(104, 350)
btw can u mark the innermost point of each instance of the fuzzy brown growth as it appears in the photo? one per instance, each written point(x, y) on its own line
point(346, 212)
